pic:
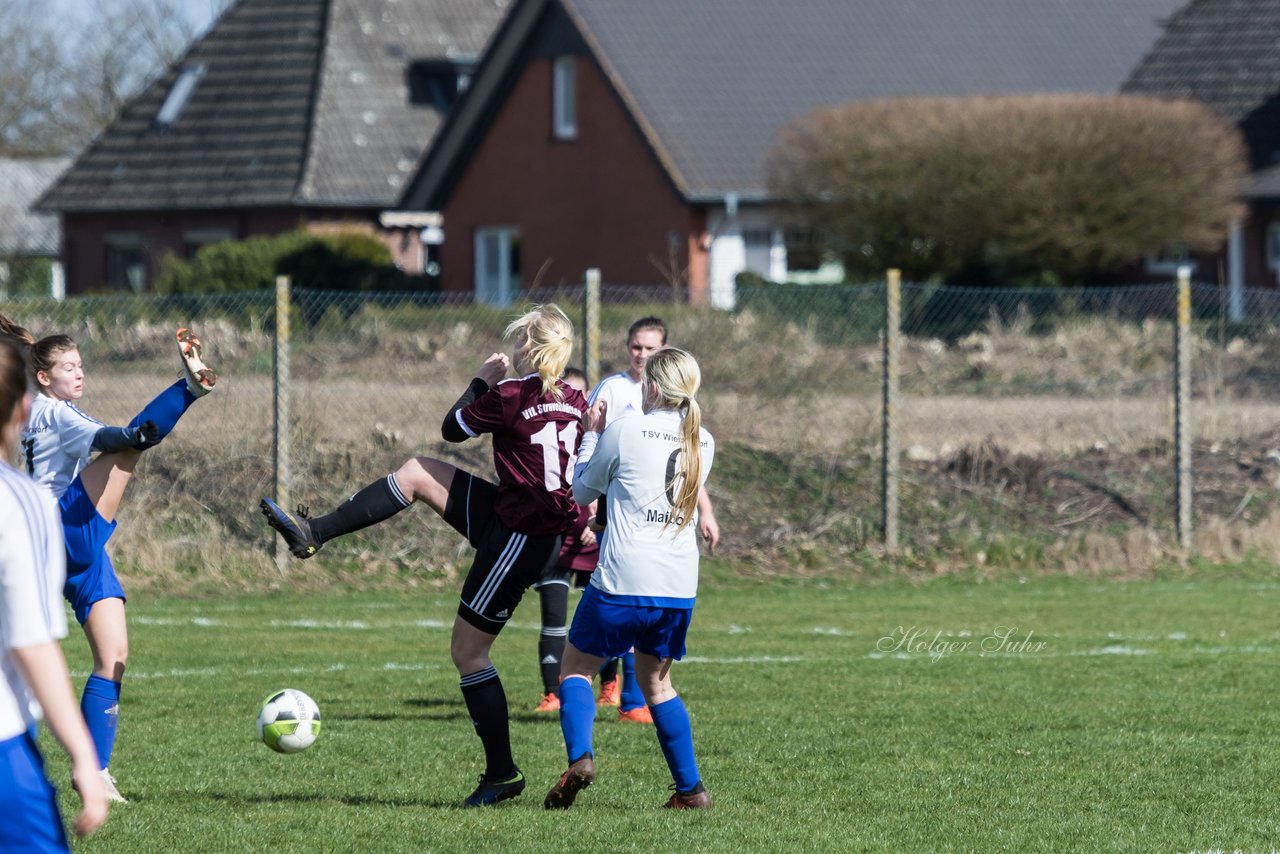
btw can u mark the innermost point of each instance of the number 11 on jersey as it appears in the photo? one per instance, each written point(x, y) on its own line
point(546, 438)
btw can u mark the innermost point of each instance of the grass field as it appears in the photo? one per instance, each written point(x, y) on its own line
point(1048, 714)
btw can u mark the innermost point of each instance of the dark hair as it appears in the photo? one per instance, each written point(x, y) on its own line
point(39, 354)
point(44, 351)
point(19, 335)
point(649, 322)
point(13, 378)
point(575, 372)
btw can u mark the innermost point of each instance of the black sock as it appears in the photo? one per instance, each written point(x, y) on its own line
point(609, 672)
point(555, 608)
point(487, 705)
point(379, 500)
point(550, 651)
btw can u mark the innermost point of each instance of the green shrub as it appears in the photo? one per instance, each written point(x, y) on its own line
point(27, 276)
point(341, 261)
point(239, 265)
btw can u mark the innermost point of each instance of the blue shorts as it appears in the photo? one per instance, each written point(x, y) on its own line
point(90, 574)
point(609, 630)
point(30, 820)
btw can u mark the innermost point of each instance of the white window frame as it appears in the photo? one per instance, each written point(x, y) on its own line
point(136, 273)
point(176, 101)
point(564, 97)
point(507, 283)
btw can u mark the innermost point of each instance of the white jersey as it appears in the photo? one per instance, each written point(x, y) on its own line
point(622, 396)
point(57, 442)
point(643, 561)
point(32, 570)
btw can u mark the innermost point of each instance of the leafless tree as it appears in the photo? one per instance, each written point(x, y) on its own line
point(61, 82)
point(31, 80)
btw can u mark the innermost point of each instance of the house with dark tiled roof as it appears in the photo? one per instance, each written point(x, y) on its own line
point(287, 113)
point(24, 233)
point(631, 135)
point(1226, 54)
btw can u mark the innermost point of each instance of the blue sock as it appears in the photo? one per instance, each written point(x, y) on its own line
point(166, 408)
point(100, 705)
point(631, 697)
point(676, 739)
point(577, 715)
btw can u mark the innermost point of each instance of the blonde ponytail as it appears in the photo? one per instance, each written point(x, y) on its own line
point(675, 377)
point(549, 334)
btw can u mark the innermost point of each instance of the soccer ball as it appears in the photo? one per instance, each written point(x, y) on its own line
point(288, 721)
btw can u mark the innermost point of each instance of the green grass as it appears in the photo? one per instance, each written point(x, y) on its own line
point(1145, 722)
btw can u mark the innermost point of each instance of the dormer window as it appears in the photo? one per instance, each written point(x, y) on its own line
point(564, 98)
point(438, 83)
point(173, 105)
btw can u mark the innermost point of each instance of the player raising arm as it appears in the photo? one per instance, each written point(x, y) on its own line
point(649, 468)
point(514, 525)
point(58, 447)
point(32, 621)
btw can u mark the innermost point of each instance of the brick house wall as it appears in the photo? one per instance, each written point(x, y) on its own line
point(86, 237)
point(600, 200)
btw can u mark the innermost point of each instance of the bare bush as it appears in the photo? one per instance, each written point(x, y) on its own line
point(1046, 186)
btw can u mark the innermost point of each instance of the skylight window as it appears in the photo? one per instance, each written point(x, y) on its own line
point(438, 83)
point(174, 104)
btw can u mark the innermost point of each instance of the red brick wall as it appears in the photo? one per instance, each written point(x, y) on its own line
point(84, 235)
point(601, 200)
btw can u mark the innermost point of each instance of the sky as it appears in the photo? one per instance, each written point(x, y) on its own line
point(199, 13)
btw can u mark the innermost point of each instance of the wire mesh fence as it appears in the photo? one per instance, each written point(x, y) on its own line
point(1033, 423)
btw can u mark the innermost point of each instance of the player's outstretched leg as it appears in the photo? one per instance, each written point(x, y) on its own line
point(166, 408)
point(294, 527)
point(377, 502)
point(200, 379)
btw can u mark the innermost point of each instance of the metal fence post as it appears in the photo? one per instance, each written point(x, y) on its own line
point(280, 393)
point(1182, 407)
point(889, 462)
point(591, 322)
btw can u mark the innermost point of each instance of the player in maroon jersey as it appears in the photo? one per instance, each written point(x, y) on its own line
point(515, 525)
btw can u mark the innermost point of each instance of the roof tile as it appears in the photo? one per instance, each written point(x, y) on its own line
point(287, 87)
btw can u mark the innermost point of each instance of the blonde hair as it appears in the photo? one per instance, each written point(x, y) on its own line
point(549, 334)
point(674, 377)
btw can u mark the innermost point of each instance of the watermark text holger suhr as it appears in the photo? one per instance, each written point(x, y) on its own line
point(1002, 640)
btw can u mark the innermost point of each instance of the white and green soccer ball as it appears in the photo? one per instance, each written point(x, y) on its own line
point(288, 721)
